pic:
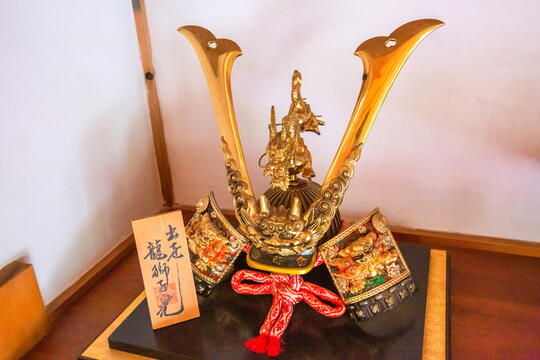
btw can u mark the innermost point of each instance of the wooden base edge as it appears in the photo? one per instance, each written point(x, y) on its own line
point(434, 345)
point(442, 239)
point(99, 349)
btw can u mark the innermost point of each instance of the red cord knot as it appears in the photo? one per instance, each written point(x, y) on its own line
point(287, 290)
point(287, 287)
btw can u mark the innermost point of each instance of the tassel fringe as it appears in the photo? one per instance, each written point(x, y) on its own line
point(258, 344)
point(274, 346)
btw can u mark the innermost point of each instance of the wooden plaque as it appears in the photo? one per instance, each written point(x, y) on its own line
point(166, 269)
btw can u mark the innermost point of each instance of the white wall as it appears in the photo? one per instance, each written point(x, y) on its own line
point(456, 146)
point(76, 155)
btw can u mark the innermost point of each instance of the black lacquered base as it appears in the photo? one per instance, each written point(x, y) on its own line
point(229, 319)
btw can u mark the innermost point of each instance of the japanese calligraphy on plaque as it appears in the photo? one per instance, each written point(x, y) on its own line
point(166, 269)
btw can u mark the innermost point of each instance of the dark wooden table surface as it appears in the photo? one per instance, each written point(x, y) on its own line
point(495, 308)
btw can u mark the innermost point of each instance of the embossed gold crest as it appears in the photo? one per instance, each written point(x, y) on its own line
point(364, 259)
point(213, 242)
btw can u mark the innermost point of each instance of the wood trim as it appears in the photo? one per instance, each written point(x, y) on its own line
point(467, 241)
point(229, 213)
point(158, 133)
point(90, 278)
point(442, 239)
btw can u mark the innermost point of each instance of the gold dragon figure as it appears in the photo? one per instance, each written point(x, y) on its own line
point(287, 153)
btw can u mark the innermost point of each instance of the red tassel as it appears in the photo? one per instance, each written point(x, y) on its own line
point(274, 346)
point(258, 344)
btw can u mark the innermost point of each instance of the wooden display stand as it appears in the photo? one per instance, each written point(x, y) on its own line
point(417, 329)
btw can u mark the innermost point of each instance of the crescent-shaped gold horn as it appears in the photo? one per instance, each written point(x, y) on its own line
point(217, 57)
point(383, 57)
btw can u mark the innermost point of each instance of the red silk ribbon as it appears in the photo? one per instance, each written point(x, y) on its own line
point(287, 290)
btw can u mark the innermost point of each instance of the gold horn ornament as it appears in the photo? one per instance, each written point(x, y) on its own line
point(287, 224)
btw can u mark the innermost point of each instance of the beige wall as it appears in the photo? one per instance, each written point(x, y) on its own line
point(456, 146)
point(76, 156)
